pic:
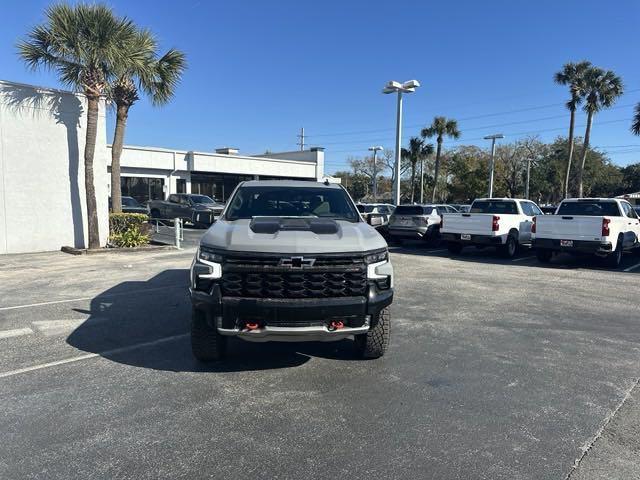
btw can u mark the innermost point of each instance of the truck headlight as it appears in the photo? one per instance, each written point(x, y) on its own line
point(211, 259)
point(376, 257)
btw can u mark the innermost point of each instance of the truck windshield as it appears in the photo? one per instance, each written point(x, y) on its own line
point(505, 207)
point(201, 199)
point(589, 208)
point(276, 201)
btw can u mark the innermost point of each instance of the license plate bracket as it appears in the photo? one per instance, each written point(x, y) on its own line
point(465, 236)
point(566, 243)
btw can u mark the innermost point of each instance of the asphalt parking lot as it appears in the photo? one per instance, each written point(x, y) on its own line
point(498, 369)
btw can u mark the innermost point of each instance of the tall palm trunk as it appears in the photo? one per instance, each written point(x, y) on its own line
point(572, 122)
point(437, 169)
point(585, 149)
point(93, 103)
point(122, 113)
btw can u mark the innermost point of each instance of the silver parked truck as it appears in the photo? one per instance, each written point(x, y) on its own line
point(290, 261)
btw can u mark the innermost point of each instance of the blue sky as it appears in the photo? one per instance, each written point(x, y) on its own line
point(259, 70)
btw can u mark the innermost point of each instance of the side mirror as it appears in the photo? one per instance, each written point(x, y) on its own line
point(375, 221)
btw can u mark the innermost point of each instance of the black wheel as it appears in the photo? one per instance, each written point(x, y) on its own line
point(614, 259)
point(207, 344)
point(374, 343)
point(510, 248)
point(454, 247)
point(544, 256)
point(155, 213)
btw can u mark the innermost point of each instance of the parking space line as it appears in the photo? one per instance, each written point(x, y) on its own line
point(16, 332)
point(632, 267)
point(87, 356)
point(521, 259)
point(79, 299)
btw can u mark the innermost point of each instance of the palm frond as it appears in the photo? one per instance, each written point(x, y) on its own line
point(635, 126)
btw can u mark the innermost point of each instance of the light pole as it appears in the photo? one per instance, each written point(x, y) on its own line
point(374, 185)
point(399, 88)
point(493, 155)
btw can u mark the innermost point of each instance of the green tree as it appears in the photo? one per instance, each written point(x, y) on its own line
point(468, 170)
point(631, 178)
point(635, 126)
point(416, 152)
point(142, 70)
point(440, 127)
point(602, 89)
point(572, 74)
point(82, 44)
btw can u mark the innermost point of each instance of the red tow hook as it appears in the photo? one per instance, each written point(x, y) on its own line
point(336, 325)
point(251, 326)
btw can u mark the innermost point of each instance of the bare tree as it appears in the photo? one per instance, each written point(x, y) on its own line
point(369, 167)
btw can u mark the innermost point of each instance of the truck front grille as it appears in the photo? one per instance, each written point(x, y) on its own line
point(265, 278)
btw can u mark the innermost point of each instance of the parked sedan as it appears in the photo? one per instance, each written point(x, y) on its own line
point(370, 210)
point(421, 222)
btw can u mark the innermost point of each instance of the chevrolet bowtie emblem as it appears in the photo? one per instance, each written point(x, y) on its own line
point(297, 262)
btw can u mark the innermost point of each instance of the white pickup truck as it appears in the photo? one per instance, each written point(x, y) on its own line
point(605, 227)
point(501, 222)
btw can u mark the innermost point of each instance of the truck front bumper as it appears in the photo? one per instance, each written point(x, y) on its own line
point(591, 247)
point(299, 319)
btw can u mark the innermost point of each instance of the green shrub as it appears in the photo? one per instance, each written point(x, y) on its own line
point(128, 229)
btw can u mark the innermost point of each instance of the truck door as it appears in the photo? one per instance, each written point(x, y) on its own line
point(529, 210)
point(632, 227)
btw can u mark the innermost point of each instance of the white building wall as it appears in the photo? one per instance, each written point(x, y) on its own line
point(238, 164)
point(42, 196)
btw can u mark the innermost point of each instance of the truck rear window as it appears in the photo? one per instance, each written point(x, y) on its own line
point(409, 210)
point(589, 208)
point(495, 206)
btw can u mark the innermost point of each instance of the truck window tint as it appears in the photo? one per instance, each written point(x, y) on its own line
point(589, 208)
point(410, 210)
point(249, 202)
point(495, 207)
point(201, 199)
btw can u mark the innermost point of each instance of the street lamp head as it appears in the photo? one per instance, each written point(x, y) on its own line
point(407, 87)
point(493, 137)
point(376, 148)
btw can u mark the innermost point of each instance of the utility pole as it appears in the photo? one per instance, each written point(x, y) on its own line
point(421, 179)
point(301, 137)
point(526, 190)
point(493, 155)
point(374, 183)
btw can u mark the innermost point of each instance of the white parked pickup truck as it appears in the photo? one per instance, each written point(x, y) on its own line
point(605, 227)
point(501, 222)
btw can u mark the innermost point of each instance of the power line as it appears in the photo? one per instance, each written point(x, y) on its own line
point(475, 117)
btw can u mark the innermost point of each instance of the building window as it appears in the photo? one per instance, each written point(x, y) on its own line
point(219, 186)
point(142, 188)
point(181, 185)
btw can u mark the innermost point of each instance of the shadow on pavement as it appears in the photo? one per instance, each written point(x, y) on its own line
point(146, 324)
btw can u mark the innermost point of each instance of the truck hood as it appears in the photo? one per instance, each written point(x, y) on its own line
point(238, 236)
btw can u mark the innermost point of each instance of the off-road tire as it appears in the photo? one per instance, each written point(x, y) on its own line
point(374, 343)
point(454, 247)
point(510, 248)
point(544, 256)
point(207, 344)
point(614, 259)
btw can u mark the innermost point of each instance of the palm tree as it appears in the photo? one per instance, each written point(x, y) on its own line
point(82, 44)
point(157, 77)
point(440, 127)
point(635, 126)
point(602, 89)
point(416, 152)
point(572, 74)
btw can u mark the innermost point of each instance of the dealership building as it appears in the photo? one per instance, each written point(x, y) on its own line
point(42, 195)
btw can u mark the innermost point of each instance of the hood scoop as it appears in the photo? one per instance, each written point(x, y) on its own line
point(320, 226)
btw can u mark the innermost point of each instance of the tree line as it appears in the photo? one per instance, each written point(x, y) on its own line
point(100, 54)
point(545, 172)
